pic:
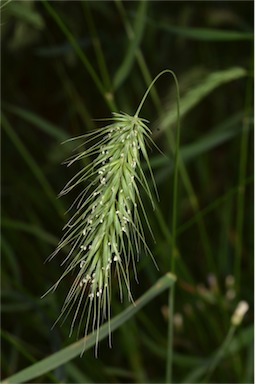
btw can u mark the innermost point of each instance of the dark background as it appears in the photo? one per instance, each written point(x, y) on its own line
point(48, 96)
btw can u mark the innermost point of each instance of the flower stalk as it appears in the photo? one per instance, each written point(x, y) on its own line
point(105, 234)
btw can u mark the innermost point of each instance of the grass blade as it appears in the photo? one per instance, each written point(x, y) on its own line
point(37, 121)
point(32, 165)
point(26, 14)
point(80, 54)
point(75, 349)
point(29, 228)
point(199, 92)
point(206, 34)
point(136, 35)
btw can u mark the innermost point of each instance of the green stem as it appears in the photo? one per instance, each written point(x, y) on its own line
point(220, 353)
point(68, 353)
point(139, 56)
point(97, 46)
point(241, 191)
point(34, 167)
point(106, 94)
point(174, 218)
point(169, 361)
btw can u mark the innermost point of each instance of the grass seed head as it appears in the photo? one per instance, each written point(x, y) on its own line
point(105, 233)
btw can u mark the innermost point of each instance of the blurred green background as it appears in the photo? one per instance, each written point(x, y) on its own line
point(66, 64)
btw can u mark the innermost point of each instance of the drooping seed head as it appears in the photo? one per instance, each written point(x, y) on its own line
point(105, 234)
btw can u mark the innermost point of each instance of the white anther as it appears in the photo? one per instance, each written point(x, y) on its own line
point(82, 263)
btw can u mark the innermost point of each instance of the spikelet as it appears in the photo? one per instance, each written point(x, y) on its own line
point(105, 234)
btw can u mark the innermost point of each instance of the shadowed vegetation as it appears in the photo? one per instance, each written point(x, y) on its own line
point(63, 69)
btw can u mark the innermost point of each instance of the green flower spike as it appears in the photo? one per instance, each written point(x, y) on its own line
point(105, 234)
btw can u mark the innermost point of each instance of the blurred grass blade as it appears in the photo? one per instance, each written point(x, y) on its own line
point(36, 170)
point(24, 11)
point(199, 92)
point(206, 34)
point(29, 228)
point(222, 133)
point(89, 67)
point(243, 339)
point(77, 375)
point(242, 169)
point(215, 137)
point(136, 37)
point(215, 204)
point(95, 40)
point(22, 348)
point(37, 121)
point(75, 349)
point(139, 56)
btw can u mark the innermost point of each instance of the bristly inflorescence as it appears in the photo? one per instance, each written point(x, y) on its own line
point(105, 234)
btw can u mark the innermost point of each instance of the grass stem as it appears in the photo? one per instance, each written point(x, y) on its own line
point(107, 97)
point(244, 144)
point(173, 244)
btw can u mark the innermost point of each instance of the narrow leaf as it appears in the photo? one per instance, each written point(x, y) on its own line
point(200, 91)
point(130, 56)
point(75, 349)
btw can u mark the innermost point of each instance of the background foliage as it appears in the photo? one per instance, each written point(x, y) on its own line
point(65, 65)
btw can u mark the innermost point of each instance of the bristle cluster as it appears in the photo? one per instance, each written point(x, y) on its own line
point(105, 233)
